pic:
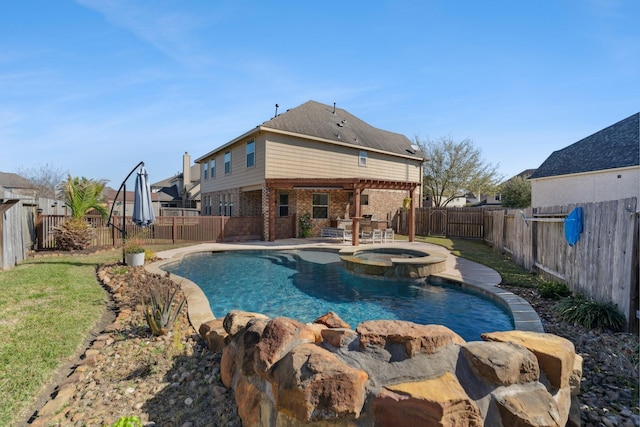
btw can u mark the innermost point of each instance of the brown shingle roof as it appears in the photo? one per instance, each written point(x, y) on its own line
point(323, 121)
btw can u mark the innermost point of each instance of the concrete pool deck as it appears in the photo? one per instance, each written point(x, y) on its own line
point(468, 274)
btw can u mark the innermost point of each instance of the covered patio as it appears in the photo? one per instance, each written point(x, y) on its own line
point(356, 185)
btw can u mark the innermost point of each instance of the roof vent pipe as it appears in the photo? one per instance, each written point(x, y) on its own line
point(334, 108)
point(276, 115)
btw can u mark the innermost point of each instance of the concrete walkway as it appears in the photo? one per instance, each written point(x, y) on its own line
point(468, 274)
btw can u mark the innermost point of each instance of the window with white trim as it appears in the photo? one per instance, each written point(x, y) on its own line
point(227, 162)
point(205, 171)
point(212, 168)
point(251, 154)
point(320, 205)
point(363, 158)
point(225, 205)
point(283, 204)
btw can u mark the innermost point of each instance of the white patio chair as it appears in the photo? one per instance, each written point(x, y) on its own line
point(387, 235)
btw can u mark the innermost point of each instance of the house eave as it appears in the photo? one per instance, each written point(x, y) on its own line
point(259, 129)
point(570, 175)
point(228, 144)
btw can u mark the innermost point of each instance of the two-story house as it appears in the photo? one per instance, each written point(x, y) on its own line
point(603, 166)
point(313, 159)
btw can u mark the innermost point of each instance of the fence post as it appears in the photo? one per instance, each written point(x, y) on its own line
point(222, 228)
point(174, 230)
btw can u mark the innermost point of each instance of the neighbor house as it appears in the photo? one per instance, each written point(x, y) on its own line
point(603, 166)
point(179, 195)
point(314, 159)
point(494, 200)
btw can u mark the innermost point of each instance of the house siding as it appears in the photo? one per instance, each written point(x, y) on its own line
point(294, 157)
point(588, 187)
point(240, 175)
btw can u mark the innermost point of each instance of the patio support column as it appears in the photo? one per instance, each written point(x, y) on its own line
point(272, 213)
point(355, 220)
point(412, 216)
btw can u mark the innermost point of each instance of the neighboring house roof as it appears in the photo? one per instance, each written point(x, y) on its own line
point(169, 193)
point(616, 146)
point(110, 194)
point(12, 180)
point(316, 120)
point(167, 189)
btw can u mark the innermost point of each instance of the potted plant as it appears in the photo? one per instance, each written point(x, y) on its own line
point(134, 252)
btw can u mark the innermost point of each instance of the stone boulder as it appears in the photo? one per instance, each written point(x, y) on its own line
point(214, 334)
point(530, 406)
point(502, 363)
point(556, 355)
point(280, 336)
point(235, 320)
point(311, 383)
point(332, 320)
point(414, 338)
point(338, 337)
point(436, 402)
point(238, 356)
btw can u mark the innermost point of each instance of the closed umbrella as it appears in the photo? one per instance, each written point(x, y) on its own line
point(142, 207)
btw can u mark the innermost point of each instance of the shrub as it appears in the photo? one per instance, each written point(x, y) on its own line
point(128, 422)
point(134, 246)
point(591, 314)
point(159, 311)
point(553, 290)
point(305, 225)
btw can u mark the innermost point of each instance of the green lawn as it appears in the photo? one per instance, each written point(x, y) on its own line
point(478, 251)
point(47, 307)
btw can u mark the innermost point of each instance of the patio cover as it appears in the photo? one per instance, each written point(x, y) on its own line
point(357, 185)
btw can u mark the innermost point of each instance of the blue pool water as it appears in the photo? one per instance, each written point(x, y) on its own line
point(305, 284)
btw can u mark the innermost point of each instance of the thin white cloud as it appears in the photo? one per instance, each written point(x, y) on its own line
point(169, 30)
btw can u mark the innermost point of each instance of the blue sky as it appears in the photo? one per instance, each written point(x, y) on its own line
point(95, 86)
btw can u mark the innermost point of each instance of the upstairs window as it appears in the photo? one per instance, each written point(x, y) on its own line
point(363, 158)
point(251, 154)
point(320, 205)
point(212, 168)
point(227, 162)
point(205, 170)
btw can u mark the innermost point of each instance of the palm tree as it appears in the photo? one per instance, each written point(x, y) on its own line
point(81, 195)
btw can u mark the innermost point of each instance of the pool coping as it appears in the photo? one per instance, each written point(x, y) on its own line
point(462, 272)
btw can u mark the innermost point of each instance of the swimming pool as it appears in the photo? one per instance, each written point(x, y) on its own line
point(305, 284)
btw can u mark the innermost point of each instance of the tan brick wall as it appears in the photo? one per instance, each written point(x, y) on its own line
point(384, 203)
point(250, 203)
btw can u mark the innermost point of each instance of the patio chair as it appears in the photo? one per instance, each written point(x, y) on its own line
point(387, 235)
point(366, 232)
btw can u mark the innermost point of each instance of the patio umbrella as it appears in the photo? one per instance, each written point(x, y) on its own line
point(142, 208)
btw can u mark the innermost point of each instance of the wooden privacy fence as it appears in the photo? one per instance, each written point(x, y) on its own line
point(603, 264)
point(450, 222)
point(168, 230)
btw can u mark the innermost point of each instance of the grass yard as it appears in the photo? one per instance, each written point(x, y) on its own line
point(480, 252)
point(47, 307)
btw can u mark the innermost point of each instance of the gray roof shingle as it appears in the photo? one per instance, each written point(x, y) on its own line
point(12, 180)
point(319, 120)
point(616, 146)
